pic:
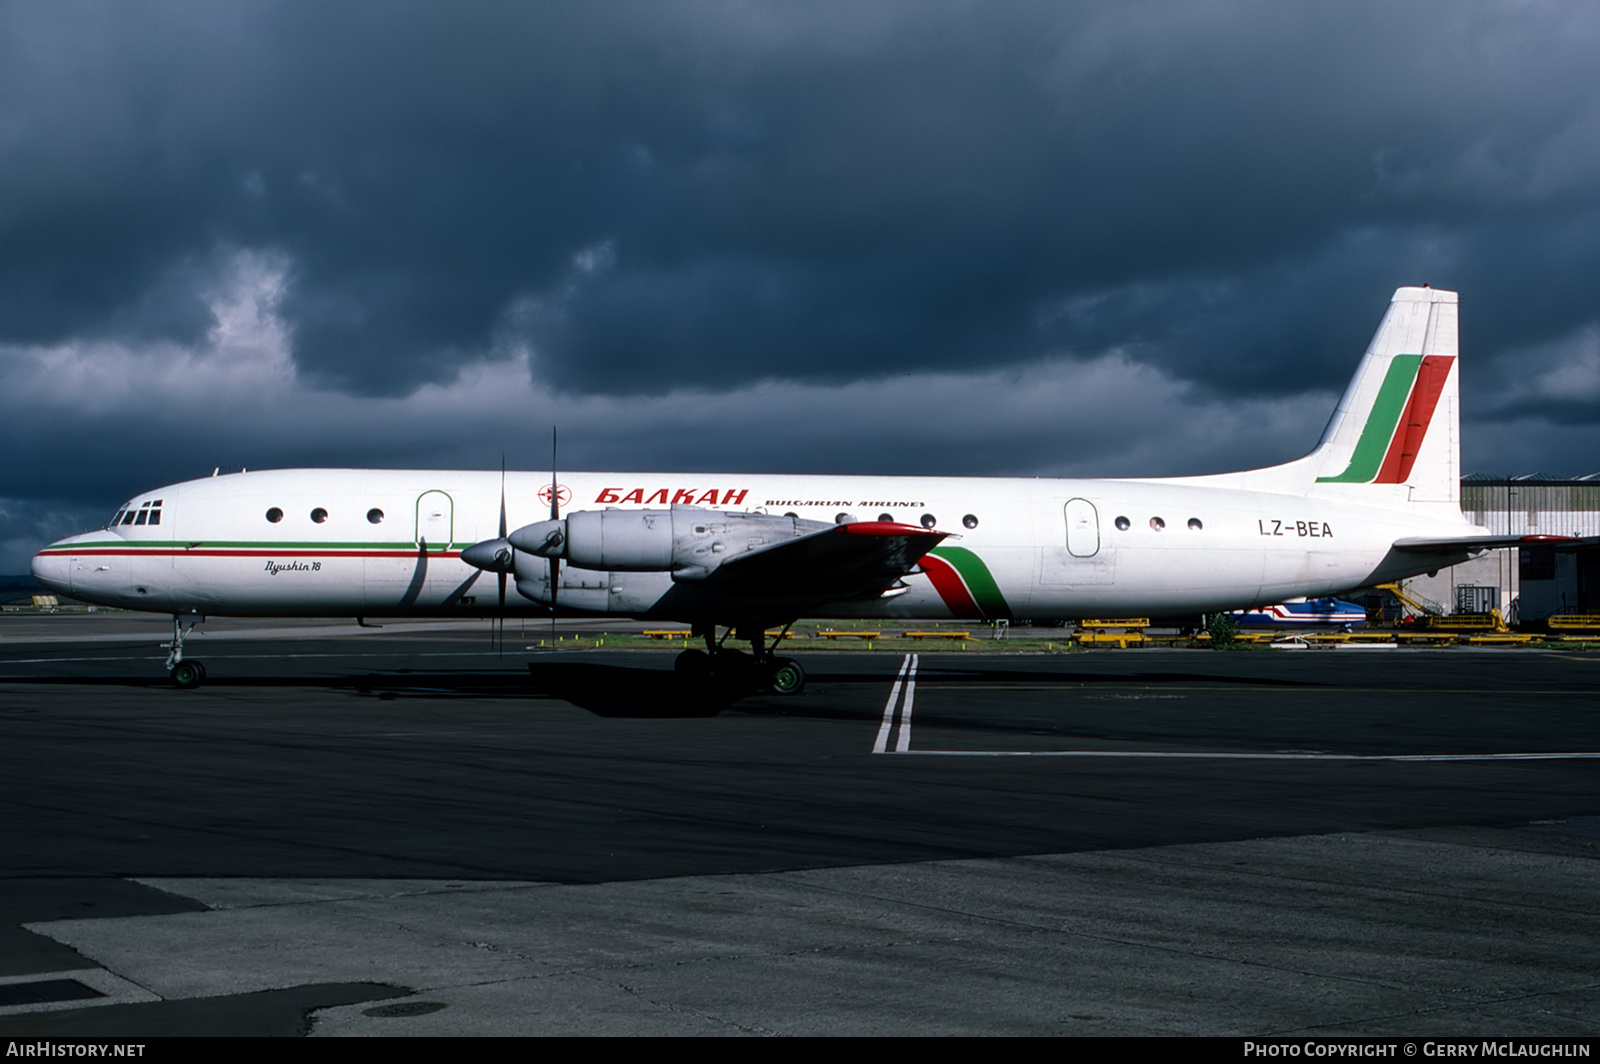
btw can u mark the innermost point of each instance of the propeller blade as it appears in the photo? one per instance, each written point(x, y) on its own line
point(502, 576)
point(555, 515)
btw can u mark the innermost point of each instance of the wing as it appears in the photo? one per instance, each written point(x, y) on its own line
point(839, 562)
point(1455, 545)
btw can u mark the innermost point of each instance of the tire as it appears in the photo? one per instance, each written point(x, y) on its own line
point(733, 664)
point(692, 664)
point(787, 677)
point(187, 675)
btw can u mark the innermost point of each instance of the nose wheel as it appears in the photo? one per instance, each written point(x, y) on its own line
point(189, 674)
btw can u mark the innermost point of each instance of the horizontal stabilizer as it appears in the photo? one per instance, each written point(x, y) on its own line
point(1457, 544)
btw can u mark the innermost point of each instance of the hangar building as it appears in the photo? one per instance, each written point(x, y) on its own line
point(1525, 584)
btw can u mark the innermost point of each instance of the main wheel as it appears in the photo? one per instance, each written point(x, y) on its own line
point(186, 675)
point(786, 677)
point(693, 664)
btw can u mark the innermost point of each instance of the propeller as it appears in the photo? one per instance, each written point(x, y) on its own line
point(501, 576)
point(555, 515)
point(542, 539)
point(496, 556)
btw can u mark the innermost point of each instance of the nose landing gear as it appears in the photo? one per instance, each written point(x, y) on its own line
point(186, 675)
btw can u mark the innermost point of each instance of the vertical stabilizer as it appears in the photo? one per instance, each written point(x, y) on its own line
point(1395, 438)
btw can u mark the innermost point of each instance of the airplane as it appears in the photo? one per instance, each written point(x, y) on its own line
point(1377, 500)
point(1303, 613)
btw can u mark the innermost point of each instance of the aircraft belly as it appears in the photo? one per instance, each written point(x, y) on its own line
point(102, 579)
point(1059, 568)
point(1154, 580)
point(251, 584)
point(401, 583)
point(1312, 572)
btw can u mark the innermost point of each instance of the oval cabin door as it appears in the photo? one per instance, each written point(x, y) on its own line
point(435, 520)
point(1083, 529)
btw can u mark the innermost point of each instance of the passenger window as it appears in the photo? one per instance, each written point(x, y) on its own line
point(970, 521)
point(319, 515)
point(274, 515)
point(886, 517)
point(1156, 524)
point(1123, 524)
point(1195, 525)
point(375, 515)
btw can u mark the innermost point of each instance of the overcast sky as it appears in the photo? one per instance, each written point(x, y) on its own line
point(1140, 238)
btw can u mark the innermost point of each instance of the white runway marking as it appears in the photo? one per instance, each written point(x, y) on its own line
point(1204, 755)
point(906, 681)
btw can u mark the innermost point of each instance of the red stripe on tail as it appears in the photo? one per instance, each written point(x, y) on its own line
point(1414, 422)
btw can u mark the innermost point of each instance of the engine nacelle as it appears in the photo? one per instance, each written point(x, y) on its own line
point(683, 539)
point(589, 591)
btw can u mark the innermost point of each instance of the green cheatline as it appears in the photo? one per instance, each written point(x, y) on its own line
point(979, 581)
point(1381, 422)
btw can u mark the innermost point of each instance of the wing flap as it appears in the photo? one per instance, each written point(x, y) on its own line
point(838, 562)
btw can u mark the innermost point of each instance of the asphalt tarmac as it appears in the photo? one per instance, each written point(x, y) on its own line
point(400, 831)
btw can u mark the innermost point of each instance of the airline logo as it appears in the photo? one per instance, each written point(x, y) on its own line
point(673, 496)
point(1398, 422)
point(965, 583)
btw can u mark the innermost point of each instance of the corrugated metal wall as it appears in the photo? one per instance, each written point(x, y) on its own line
point(1533, 507)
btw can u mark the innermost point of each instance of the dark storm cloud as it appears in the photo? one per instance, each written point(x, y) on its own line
point(797, 192)
point(649, 211)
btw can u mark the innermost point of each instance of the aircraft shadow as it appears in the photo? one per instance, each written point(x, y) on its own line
point(620, 691)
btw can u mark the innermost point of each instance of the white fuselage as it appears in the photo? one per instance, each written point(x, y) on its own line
point(389, 541)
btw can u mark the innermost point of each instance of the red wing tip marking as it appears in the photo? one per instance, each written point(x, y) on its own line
point(889, 528)
point(1547, 539)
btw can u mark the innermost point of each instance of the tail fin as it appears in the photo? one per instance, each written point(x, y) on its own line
point(1395, 438)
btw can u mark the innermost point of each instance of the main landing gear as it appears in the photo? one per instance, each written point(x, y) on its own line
point(762, 669)
point(186, 675)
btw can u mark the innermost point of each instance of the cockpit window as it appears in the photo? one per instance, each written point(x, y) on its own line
point(148, 513)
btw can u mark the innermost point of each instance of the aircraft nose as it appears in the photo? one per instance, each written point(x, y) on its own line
point(53, 571)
